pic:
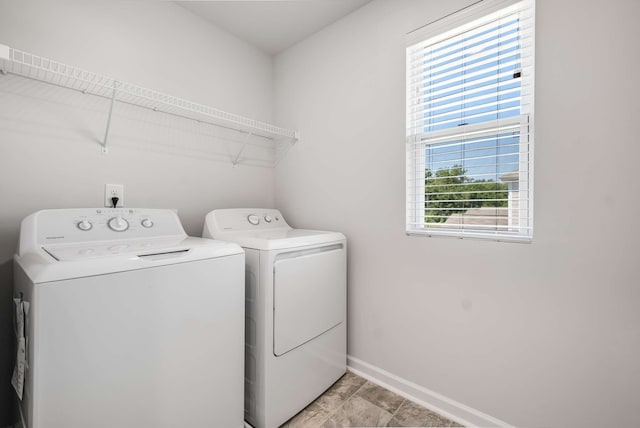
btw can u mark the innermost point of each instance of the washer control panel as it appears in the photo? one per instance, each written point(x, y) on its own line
point(95, 224)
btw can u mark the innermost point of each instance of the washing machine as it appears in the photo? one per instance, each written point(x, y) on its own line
point(295, 334)
point(125, 321)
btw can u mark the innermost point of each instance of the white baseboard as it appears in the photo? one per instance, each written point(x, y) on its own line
point(445, 406)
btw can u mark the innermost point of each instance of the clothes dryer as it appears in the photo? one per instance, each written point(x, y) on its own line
point(295, 334)
point(131, 323)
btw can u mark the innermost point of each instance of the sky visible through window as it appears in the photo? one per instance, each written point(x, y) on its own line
point(468, 80)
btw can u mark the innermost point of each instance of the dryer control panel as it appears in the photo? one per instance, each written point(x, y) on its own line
point(245, 219)
point(76, 225)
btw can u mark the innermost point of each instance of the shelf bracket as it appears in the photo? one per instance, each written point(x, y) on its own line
point(246, 141)
point(105, 149)
point(289, 144)
point(5, 55)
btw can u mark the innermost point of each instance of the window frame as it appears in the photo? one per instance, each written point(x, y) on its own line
point(440, 30)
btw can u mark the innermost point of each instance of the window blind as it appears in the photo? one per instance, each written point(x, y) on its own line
point(469, 128)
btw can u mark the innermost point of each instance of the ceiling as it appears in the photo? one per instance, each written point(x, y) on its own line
point(272, 25)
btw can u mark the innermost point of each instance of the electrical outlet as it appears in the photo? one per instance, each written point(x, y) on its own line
point(111, 191)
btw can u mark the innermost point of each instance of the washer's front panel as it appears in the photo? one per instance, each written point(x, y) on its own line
point(160, 347)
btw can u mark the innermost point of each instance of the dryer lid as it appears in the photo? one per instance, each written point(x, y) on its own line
point(278, 239)
point(262, 229)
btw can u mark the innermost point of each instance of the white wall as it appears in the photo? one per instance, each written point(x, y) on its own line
point(541, 334)
point(49, 152)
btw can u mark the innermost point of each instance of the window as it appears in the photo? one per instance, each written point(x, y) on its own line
point(469, 124)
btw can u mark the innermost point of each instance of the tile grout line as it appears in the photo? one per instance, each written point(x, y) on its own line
point(405, 400)
point(343, 402)
point(396, 411)
point(332, 413)
point(359, 388)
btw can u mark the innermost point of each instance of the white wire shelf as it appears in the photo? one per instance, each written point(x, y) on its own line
point(17, 62)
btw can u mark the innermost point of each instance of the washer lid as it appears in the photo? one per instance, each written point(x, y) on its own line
point(281, 238)
point(77, 260)
point(129, 248)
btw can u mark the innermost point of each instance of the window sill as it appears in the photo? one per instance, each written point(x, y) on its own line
point(497, 237)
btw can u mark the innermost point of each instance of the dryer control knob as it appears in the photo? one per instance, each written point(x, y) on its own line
point(85, 225)
point(147, 223)
point(118, 224)
point(253, 219)
point(267, 219)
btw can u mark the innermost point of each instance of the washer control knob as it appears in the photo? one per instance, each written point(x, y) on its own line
point(267, 219)
point(253, 219)
point(85, 225)
point(147, 223)
point(118, 224)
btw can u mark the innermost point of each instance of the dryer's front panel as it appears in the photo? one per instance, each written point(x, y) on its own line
point(309, 295)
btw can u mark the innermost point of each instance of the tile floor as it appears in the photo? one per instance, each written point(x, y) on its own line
point(355, 402)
